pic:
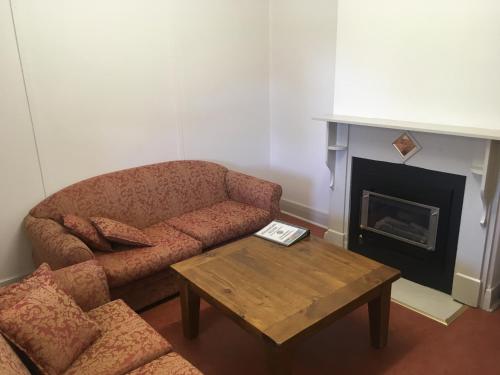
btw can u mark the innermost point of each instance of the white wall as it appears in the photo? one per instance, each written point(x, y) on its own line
point(431, 61)
point(21, 185)
point(100, 84)
point(223, 70)
point(301, 86)
point(122, 83)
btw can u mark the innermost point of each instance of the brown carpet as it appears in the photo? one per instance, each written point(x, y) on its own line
point(417, 345)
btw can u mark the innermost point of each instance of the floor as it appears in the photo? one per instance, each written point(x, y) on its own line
point(417, 345)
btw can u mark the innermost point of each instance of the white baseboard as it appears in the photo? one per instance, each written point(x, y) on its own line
point(466, 289)
point(11, 280)
point(491, 298)
point(337, 238)
point(305, 213)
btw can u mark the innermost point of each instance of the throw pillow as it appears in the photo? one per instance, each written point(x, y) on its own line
point(12, 294)
point(83, 229)
point(50, 328)
point(118, 232)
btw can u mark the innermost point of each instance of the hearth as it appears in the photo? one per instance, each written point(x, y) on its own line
point(408, 218)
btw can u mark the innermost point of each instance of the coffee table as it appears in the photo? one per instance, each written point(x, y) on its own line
point(284, 294)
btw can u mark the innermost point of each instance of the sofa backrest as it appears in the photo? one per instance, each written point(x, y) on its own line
point(140, 196)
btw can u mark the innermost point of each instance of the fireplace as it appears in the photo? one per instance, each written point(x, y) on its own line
point(407, 217)
point(407, 221)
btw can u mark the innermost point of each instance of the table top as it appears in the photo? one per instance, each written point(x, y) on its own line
point(279, 292)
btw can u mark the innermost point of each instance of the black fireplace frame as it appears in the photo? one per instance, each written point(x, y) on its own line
point(444, 190)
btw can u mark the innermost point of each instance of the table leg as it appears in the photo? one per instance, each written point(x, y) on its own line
point(378, 310)
point(279, 360)
point(190, 309)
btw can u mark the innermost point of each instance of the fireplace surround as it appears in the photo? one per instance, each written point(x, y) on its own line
point(471, 153)
point(406, 217)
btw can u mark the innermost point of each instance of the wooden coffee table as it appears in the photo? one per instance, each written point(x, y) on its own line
point(284, 294)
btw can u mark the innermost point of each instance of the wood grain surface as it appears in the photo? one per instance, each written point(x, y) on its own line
point(284, 293)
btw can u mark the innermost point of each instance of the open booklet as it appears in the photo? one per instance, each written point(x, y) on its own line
point(282, 233)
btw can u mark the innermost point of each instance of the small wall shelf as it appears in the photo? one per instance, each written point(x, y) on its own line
point(337, 148)
point(337, 140)
point(477, 170)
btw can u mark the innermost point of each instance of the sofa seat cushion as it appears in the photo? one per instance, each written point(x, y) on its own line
point(221, 222)
point(112, 315)
point(127, 343)
point(169, 364)
point(128, 265)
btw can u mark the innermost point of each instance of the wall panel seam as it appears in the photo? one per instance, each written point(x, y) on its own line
point(27, 99)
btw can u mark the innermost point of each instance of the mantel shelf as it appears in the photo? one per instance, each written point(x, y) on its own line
point(459, 131)
point(337, 128)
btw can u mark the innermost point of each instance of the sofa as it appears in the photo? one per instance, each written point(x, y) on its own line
point(126, 345)
point(186, 207)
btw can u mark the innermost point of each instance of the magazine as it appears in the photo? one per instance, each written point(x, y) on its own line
point(282, 233)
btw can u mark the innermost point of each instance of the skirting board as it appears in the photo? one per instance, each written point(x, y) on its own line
point(336, 238)
point(491, 298)
point(303, 212)
point(11, 280)
point(466, 289)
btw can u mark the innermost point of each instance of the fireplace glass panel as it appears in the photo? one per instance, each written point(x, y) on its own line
point(400, 219)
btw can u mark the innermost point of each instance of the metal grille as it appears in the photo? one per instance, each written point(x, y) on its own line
point(404, 220)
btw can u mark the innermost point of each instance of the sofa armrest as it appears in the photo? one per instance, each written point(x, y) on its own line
point(53, 244)
point(86, 283)
point(254, 191)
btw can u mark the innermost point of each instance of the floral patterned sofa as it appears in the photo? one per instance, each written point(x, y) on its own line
point(186, 207)
point(127, 344)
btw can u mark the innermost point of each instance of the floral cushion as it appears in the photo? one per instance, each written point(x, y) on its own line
point(124, 266)
point(115, 231)
point(12, 294)
point(221, 222)
point(10, 364)
point(83, 229)
point(49, 327)
point(112, 315)
point(127, 342)
point(169, 364)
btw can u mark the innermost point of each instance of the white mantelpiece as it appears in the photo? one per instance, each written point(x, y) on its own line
point(474, 154)
point(456, 130)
